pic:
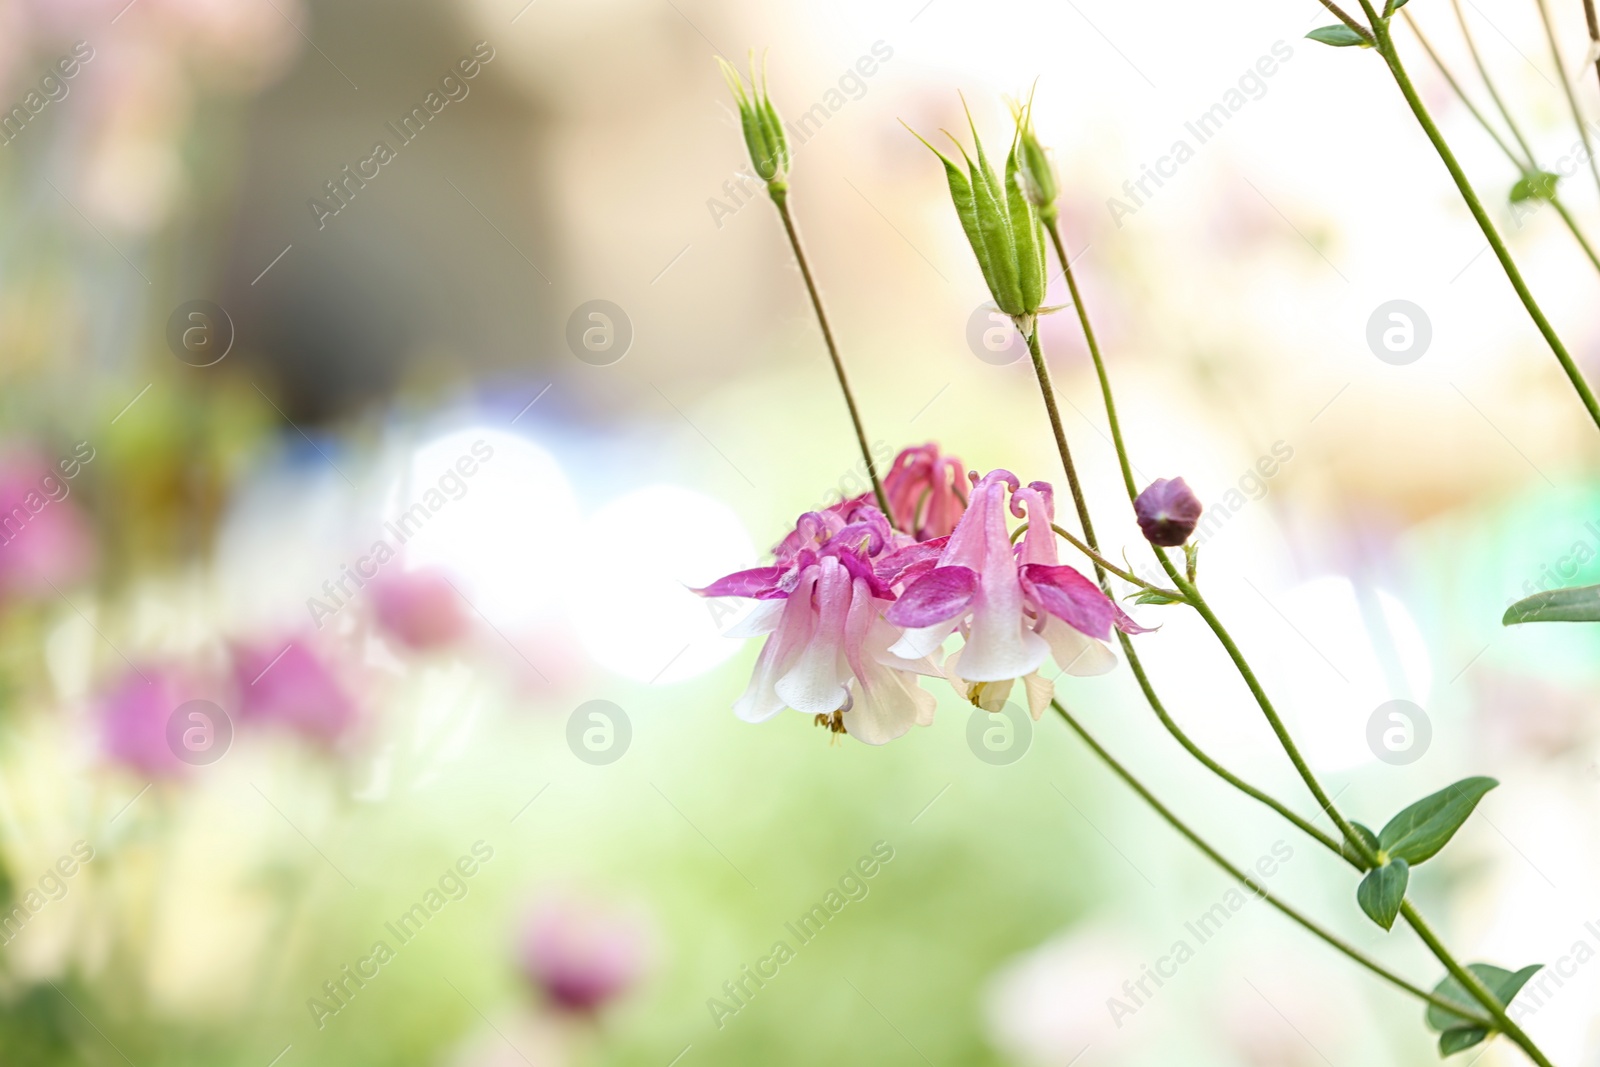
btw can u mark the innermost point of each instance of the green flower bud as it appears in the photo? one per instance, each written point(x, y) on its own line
point(1001, 225)
point(1035, 170)
point(763, 130)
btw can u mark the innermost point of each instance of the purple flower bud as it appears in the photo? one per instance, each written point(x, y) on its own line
point(1167, 511)
point(581, 957)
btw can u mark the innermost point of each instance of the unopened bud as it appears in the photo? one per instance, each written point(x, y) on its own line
point(758, 119)
point(1036, 171)
point(1168, 512)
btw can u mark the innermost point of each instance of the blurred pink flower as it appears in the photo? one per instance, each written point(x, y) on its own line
point(44, 539)
point(288, 684)
point(581, 956)
point(419, 607)
point(133, 716)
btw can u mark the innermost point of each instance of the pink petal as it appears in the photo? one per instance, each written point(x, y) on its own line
point(1070, 597)
point(938, 596)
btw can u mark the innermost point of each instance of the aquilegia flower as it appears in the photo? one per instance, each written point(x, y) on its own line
point(1016, 606)
point(926, 492)
point(827, 651)
point(286, 683)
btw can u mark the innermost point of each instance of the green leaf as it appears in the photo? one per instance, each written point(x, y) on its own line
point(1579, 604)
point(1502, 983)
point(1349, 852)
point(1458, 1040)
point(1421, 830)
point(1150, 596)
point(1382, 891)
point(1338, 35)
point(1539, 186)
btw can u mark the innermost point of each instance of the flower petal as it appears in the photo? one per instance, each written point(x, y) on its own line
point(759, 582)
point(938, 596)
point(1070, 597)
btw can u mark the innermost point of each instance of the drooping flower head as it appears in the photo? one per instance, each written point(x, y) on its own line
point(1015, 606)
point(1168, 512)
point(827, 650)
point(926, 492)
point(1002, 227)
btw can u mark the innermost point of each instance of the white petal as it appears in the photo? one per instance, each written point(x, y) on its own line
point(1078, 653)
point(924, 640)
point(762, 619)
point(1040, 691)
point(888, 704)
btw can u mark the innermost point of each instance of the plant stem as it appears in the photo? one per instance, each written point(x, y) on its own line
point(1221, 861)
point(1360, 854)
point(1099, 363)
point(1358, 844)
point(780, 197)
point(1042, 372)
point(1361, 31)
point(1529, 167)
point(1566, 87)
point(1385, 46)
point(1594, 30)
point(1474, 985)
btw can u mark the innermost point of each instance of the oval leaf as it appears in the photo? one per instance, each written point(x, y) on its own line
point(1538, 186)
point(1502, 983)
point(1382, 891)
point(1580, 604)
point(1338, 35)
point(1453, 1041)
point(1422, 829)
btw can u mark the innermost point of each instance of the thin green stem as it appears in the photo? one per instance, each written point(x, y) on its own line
point(1528, 162)
point(1358, 844)
point(780, 197)
point(1099, 362)
point(1386, 48)
point(1255, 887)
point(1042, 372)
point(1359, 847)
point(1474, 985)
point(1338, 13)
point(1526, 168)
point(1572, 225)
point(1566, 87)
point(1359, 854)
point(1594, 30)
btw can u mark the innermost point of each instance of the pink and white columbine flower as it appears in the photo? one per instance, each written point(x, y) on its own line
point(926, 492)
point(1016, 606)
point(827, 651)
